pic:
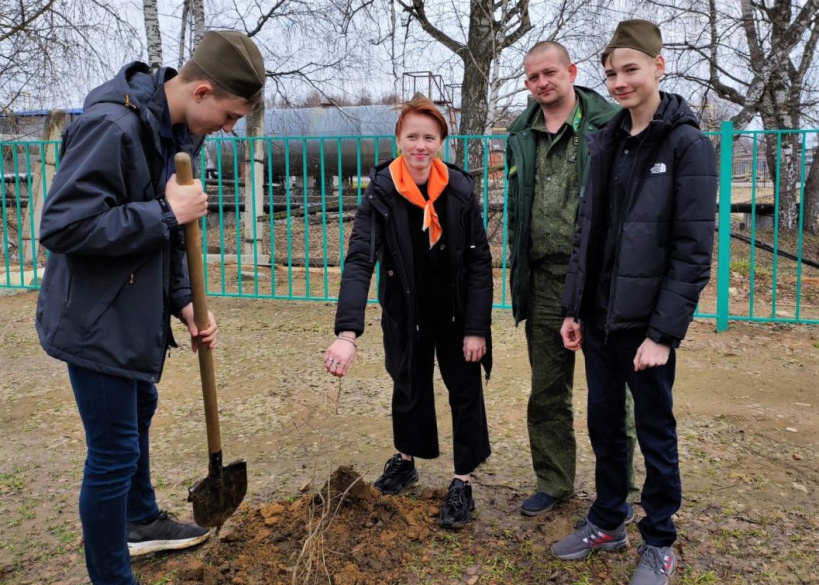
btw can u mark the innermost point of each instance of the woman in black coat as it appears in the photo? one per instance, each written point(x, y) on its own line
point(420, 219)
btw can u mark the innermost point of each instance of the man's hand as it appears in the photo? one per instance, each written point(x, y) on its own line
point(572, 334)
point(188, 202)
point(206, 336)
point(651, 354)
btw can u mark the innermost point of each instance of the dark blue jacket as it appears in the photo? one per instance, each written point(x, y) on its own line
point(117, 268)
point(666, 231)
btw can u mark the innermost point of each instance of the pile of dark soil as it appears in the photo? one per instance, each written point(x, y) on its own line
point(345, 533)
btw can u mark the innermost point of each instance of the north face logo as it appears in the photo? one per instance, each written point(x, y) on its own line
point(658, 169)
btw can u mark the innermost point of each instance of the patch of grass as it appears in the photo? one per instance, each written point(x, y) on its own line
point(696, 578)
point(726, 539)
point(742, 267)
point(500, 568)
point(26, 512)
point(12, 481)
point(64, 534)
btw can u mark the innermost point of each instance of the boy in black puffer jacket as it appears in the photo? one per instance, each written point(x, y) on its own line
point(641, 257)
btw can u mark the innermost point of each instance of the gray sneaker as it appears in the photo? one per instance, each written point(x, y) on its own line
point(656, 565)
point(589, 538)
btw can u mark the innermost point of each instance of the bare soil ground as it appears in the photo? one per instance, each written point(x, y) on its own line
point(746, 405)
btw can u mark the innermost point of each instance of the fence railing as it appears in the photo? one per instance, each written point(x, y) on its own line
point(281, 211)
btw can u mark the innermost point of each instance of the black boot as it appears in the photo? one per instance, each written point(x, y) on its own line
point(398, 474)
point(458, 506)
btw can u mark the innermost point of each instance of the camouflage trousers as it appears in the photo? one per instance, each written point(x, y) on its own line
point(550, 416)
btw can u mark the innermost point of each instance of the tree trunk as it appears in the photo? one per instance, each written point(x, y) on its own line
point(254, 184)
point(477, 58)
point(812, 196)
point(198, 9)
point(785, 176)
point(193, 17)
point(152, 35)
point(777, 113)
point(494, 97)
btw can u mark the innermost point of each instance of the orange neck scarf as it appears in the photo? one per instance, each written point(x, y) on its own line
point(438, 179)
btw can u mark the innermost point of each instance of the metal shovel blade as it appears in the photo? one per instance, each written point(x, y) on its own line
point(217, 497)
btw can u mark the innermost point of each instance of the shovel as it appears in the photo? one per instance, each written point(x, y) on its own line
point(216, 497)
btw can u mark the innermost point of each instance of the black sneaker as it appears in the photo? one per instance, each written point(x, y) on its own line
point(163, 533)
point(537, 504)
point(398, 474)
point(458, 506)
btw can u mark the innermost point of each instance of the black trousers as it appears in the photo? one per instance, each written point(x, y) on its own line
point(609, 367)
point(415, 427)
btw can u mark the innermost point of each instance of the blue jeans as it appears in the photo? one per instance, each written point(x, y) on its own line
point(116, 485)
point(609, 367)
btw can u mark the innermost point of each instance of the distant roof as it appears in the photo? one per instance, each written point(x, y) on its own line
point(37, 113)
point(352, 121)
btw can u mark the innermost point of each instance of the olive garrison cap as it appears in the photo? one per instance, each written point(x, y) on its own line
point(642, 35)
point(232, 60)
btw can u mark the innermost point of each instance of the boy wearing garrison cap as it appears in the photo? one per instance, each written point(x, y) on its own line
point(117, 273)
point(641, 257)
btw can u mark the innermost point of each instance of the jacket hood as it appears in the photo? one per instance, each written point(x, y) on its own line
point(133, 86)
point(137, 88)
point(672, 112)
point(596, 109)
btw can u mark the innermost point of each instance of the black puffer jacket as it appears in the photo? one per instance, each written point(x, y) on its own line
point(381, 231)
point(117, 269)
point(666, 231)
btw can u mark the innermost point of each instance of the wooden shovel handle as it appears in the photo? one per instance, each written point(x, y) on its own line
point(193, 250)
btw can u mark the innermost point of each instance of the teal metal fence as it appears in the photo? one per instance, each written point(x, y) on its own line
point(767, 266)
point(282, 208)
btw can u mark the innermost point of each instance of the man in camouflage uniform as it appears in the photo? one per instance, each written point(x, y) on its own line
point(547, 161)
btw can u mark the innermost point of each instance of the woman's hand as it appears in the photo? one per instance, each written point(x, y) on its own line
point(340, 355)
point(474, 348)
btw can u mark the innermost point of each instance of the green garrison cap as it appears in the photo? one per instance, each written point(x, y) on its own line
point(232, 60)
point(641, 35)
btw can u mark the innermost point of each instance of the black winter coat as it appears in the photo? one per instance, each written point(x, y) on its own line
point(666, 231)
point(381, 232)
point(117, 267)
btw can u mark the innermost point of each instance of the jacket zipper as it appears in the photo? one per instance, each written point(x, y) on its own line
point(618, 241)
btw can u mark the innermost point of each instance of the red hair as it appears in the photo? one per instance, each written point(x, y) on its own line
point(423, 106)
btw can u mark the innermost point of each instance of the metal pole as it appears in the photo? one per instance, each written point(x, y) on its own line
point(724, 242)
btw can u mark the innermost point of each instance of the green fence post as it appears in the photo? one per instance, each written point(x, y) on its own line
point(726, 164)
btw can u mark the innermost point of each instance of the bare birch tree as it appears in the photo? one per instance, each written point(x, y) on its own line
point(51, 51)
point(760, 56)
point(492, 27)
point(322, 45)
point(489, 39)
point(153, 36)
point(193, 18)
